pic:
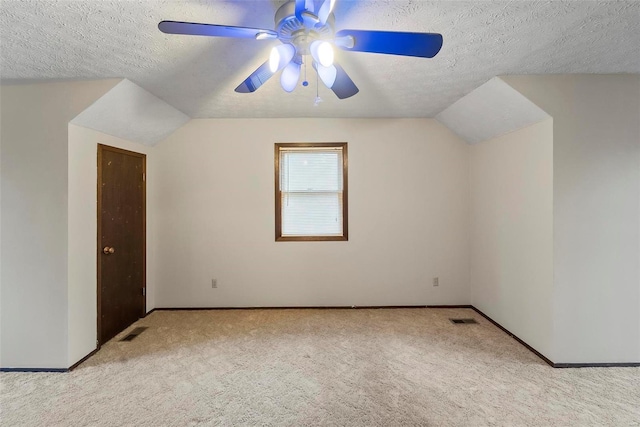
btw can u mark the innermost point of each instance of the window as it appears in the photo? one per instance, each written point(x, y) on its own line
point(311, 191)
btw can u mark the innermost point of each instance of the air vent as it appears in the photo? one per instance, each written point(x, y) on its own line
point(463, 321)
point(133, 334)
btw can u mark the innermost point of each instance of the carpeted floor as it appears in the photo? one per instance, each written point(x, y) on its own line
point(368, 367)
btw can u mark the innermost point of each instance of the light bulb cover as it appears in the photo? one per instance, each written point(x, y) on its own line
point(290, 76)
point(322, 52)
point(280, 56)
point(274, 59)
point(327, 74)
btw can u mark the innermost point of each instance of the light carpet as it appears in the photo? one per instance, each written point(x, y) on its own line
point(365, 367)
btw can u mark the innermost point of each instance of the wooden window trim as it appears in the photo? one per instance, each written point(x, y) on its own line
point(345, 192)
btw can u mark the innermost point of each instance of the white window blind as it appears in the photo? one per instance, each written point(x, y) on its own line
point(311, 185)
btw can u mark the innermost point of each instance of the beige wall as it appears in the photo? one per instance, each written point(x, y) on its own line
point(408, 217)
point(511, 221)
point(1, 119)
point(34, 219)
point(82, 237)
point(596, 210)
point(422, 204)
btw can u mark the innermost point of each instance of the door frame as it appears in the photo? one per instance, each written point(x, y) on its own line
point(101, 149)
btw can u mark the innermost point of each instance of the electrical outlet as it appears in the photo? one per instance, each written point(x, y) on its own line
point(436, 281)
point(214, 283)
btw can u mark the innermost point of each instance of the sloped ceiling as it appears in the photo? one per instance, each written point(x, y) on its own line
point(492, 110)
point(130, 112)
point(70, 39)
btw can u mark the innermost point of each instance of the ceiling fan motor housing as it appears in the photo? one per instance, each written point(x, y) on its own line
point(301, 33)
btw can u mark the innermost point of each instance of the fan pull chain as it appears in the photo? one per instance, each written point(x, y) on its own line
point(305, 83)
point(318, 100)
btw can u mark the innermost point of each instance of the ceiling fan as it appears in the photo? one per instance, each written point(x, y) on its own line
point(306, 27)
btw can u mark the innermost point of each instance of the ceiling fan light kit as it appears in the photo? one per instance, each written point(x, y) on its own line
point(290, 76)
point(305, 31)
point(280, 57)
point(322, 52)
point(328, 75)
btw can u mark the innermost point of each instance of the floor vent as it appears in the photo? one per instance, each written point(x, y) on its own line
point(137, 331)
point(463, 321)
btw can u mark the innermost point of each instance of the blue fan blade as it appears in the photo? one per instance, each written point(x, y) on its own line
point(256, 79)
point(343, 87)
point(424, 45)
point(300, 7)
point(195, 29)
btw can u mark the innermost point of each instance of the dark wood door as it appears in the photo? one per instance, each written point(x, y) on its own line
point(121, 240)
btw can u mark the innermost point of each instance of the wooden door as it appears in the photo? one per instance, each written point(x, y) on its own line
point(121, 240)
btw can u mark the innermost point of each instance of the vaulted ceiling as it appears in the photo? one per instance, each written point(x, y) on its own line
point(68, 40)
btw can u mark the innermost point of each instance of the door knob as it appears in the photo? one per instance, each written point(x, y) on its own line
point(107, 250)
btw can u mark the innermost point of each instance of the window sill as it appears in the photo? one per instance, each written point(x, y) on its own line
point(311, 238)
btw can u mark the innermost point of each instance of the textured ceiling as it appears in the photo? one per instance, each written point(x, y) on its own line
point(94, 39)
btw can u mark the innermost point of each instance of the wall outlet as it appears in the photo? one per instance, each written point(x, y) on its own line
point(436, 281)
point(214, 283)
